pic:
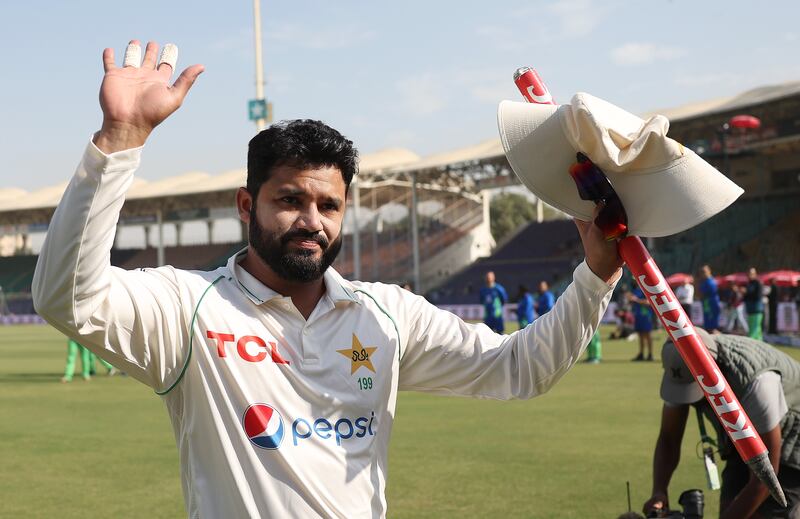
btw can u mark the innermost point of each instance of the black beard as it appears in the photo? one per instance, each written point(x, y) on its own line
point(295, 266)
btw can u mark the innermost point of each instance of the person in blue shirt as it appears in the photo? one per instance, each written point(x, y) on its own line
point(643, 323)
point(493, 296)
point(546, 299)
point(524, 307)
point(710, 296)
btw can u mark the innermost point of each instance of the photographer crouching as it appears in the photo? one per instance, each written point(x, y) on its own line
point(767, 383)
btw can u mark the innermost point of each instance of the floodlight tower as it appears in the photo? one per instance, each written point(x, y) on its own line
point(259, 110)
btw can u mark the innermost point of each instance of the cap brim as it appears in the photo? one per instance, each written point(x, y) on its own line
point(666, 201)
point(680, 393)
point(658, 202)
point(541, 158)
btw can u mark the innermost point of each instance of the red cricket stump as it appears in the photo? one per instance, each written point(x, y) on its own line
point(704, 368)
point(700, 362)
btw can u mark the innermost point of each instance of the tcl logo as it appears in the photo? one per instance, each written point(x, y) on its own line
point(249, 347)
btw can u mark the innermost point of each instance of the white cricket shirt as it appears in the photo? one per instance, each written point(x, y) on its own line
point(276, 416)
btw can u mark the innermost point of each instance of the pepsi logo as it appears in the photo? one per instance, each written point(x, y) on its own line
point(263, 425)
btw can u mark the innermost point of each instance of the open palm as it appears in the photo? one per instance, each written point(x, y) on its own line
point(141, 97)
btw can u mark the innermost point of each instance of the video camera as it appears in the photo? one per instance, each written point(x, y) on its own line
point(692, 502)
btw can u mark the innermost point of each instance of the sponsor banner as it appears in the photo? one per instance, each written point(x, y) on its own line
point(787, 318)
point(21, 319)
point(475, 312)
point(783, 340)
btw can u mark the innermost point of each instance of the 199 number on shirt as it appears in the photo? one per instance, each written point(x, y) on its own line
point(365, 383)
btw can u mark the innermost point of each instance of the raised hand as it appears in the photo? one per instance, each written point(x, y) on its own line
point(601, 255)
point(135, 99)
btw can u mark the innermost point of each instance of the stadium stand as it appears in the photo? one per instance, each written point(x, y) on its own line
point(759, 229)
point(16, 273)
point(546, 251)
point(719, 240)
point(389, 260)
point(190, 257)
point(771, 250)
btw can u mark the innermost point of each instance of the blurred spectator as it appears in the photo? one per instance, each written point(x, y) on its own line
point(594, 351)
point(625, 322)
point(734, 302)
point(87, 362)
point(643, 324)
point(772, 307)
point(524, 307)
point(73, 350)
point(110, 370)
point(545, 301)
point(754, 304)
point(493, 296)
point(685, 295)
point(709, 294)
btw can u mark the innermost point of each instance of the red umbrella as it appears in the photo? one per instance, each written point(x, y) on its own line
point(745, 121)
point(737, 278)
point(679, 278)
point(781, 278)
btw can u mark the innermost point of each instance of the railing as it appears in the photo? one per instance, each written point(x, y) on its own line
point(393, 259)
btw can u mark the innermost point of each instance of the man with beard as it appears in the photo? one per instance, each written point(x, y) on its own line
point(279, 376)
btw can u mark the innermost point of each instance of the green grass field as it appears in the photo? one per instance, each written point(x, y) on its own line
point(105, 448)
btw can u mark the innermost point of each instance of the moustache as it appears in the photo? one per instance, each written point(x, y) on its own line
point(317, 237)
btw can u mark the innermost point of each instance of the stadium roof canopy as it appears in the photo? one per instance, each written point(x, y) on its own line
point(755, 96)
point(452, 168)
point(487, 150)
point(21, 207)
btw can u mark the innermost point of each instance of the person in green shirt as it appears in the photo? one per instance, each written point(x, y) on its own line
point(754, 304)
point(87, 362)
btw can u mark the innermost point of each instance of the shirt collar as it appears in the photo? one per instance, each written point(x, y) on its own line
point(337, 288)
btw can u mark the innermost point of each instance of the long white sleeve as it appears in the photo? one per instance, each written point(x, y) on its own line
point(132, 319)
point(445, 355)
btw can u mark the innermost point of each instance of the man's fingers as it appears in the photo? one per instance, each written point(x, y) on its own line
point(108, 60)
point(169, 59)
point(186, 80)
point(150, 54)
point(133, 54)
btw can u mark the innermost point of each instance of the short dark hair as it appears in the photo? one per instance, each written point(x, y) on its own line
point(300, 143)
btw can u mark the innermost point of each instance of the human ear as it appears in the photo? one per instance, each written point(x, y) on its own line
point(244, 204)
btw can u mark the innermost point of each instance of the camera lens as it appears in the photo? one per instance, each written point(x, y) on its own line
point(693, 503)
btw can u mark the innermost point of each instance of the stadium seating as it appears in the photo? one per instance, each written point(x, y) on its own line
point(16, 273)
point(719, 240)
point(775, 249)
point(547, 251)
point(392, 260)
point(191, 257)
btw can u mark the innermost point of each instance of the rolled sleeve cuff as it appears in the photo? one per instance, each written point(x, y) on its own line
point(586, 278)
point(98, 162)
